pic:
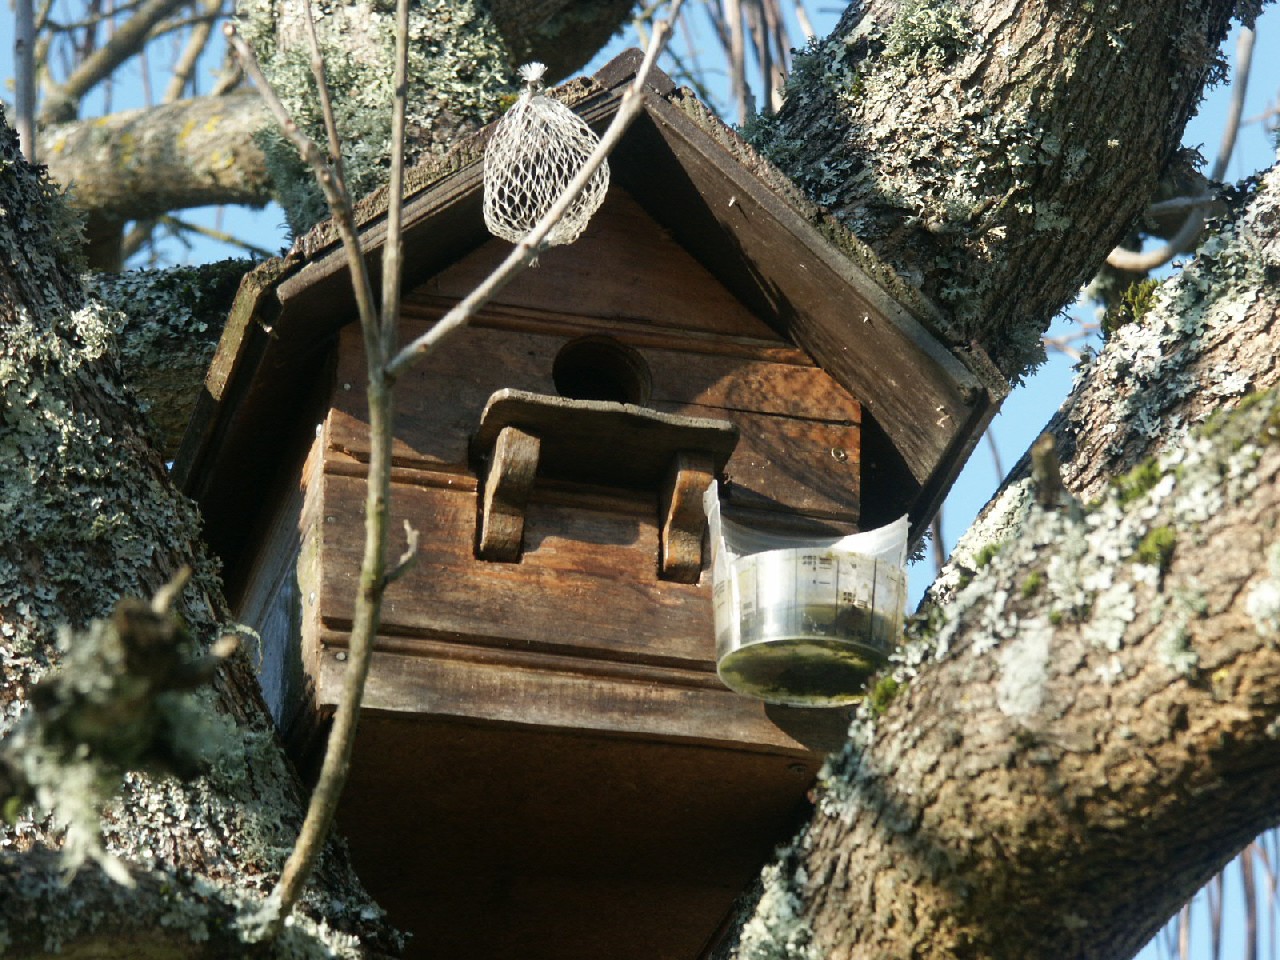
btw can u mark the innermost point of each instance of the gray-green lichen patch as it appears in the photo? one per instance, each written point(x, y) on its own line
point(778, 929)
point(89, 517)
point(953, 140)
point(1093, 578)
point(459, 67)
point(1024, 667)
point(167, 324)
point(1200, 346)
point(1263, 601)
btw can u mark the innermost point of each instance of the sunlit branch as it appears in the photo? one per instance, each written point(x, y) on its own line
point(62, 102)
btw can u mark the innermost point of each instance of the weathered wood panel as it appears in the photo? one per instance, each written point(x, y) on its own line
point(422, 307)
point(587, 582)
point(792, 466)
point(791, 418)
point(778, 264)
point(494, 841)
point(473, 363)
point(624, 266)
point(437, 679)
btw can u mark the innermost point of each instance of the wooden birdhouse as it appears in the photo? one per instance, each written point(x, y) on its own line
point(547, 765)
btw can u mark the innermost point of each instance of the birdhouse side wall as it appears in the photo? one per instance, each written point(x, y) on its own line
point(581, 628)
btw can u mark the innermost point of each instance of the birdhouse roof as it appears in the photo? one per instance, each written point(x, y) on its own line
point(926, 395)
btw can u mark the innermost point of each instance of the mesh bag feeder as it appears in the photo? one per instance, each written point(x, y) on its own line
point(538, 146)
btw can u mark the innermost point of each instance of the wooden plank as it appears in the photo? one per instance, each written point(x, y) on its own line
point(786, 465)
point(610, 272)
point(782, 461)
point(488, 841)
point(587, 582)
point(684, 521)
point(601, 442)
point(542, 696)
point(778, 464)
point(461, 376)
point(420, 307)
point(779, 265)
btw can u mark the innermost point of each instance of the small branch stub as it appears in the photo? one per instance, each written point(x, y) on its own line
point(1046, 472)
point(535, 151)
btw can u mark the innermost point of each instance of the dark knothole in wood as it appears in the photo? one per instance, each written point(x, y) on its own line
point(601, 368)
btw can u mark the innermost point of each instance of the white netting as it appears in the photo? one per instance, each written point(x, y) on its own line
point(536, 149)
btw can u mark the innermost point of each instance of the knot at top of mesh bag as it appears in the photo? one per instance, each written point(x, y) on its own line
point(536, 149)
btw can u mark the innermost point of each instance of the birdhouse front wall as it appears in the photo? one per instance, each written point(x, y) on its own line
point(585, 594)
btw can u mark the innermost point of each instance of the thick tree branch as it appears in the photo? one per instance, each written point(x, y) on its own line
point(563, 34)
point(961, 142)
point(142, 163)
point(1089, 728)
point(1090, 735)
point(90, 516)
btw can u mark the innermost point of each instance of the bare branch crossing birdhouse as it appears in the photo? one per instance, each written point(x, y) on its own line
point(547, 765)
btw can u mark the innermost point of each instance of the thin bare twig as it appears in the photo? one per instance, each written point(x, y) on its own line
point(528, 248)
point(1182, 241)
point(100, 64)
point(185, 68)
point(322, 90)
point(939, 550)
point(1244, 62)
point(995, 452)
point(328, 178)
point(737, 57)
point(1185, 239)
point(1250, 894)
point(1177, 204)
point(379, 334)
point(24, 68)
point(221, 236)
point(802, 18)
point(324, 799)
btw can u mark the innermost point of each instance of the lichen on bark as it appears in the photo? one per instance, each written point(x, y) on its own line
point(1112, 728)
point(459, 69)
point(89, 517)
point(960, 143)
point(167, 324)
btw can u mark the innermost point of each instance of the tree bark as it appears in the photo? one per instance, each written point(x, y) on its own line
point(1087, 731)
point(142, 163)
point(168, 324)
point(205, 150)
point(89, 516)
point(461, 73)
point(994, 151)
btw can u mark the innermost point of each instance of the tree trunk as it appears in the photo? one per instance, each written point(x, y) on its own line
point(89, 517)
